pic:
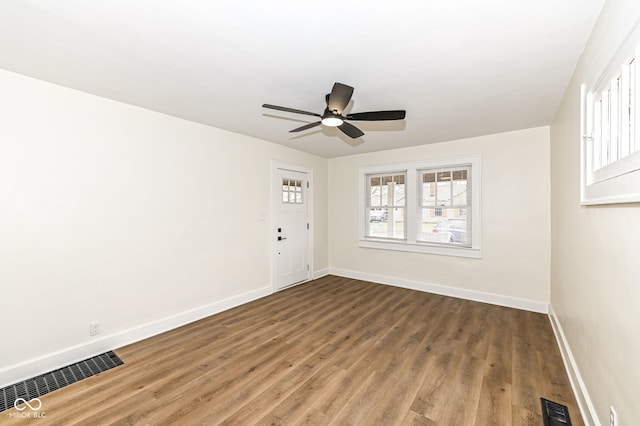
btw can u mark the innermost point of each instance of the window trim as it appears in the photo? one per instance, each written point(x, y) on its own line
point(437, 209)
point(412, 206)
point(388, 207)
point(617, 181)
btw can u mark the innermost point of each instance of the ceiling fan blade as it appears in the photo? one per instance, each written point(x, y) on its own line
point(339, 97)
point(350, 130)
point(297, 111)
point(305, 127)
point(377, 115)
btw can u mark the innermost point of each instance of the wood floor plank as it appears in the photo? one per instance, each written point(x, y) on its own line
point(433, 396)
point(499, 354)
point(463, 404)
point(495, 407)
point(334, 351)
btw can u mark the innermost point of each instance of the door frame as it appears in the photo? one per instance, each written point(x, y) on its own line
point(275, 197)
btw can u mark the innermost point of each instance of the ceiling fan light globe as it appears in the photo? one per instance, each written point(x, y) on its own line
point(332, 121)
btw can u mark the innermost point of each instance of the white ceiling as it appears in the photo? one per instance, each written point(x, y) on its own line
point(460, 68)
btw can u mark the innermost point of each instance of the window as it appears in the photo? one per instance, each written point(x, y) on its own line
point(291, 191)
point(431, 206)
point(609, 119)
point(444, 202)
point(385, 207)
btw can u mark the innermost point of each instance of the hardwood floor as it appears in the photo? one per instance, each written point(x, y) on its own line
point(332, 351)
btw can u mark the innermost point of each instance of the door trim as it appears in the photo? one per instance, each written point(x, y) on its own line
point(275, 198)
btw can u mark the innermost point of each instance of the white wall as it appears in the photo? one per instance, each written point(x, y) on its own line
point(595, 264)
point(117, 214)
point(514, 269)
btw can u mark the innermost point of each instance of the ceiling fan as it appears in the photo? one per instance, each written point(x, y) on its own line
point(333, 116)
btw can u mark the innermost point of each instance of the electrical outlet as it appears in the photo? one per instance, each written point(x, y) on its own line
point(613, 417)
point(94, 328)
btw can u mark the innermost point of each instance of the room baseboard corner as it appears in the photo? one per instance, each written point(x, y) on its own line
point(320, 273)
point(55, 360)
point(585, 405)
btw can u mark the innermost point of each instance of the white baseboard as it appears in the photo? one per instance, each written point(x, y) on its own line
point(587, 409)
point(320, 273)
point(53, 361)
point(478, 296)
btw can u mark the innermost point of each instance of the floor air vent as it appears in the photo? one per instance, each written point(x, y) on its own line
point(48, 382)
point(555, 414)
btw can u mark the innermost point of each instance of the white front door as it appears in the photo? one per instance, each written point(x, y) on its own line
point(291, 245)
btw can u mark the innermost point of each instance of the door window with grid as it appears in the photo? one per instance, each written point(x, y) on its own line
point(292, 191)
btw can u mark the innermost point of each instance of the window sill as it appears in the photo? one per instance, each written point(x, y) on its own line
point(468, 252)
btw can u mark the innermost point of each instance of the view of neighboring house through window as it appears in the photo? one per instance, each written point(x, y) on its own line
point(444, 203)
point(386, 206)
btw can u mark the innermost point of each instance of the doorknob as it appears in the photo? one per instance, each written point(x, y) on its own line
point(281, 238)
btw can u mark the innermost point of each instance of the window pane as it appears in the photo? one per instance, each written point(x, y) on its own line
point(398, 221)
point(398, 193)
point(428, 177)
point(445, 226)
point(615, 120)
point(632, 107)
point(444, 176)
point(378, 215)
point(606, 127)
point(443, 193)
point(374, 188)
point(429, 194)
point(378, 226)
point(460, 193)
point(384, 195)
point(597, 134)
point(285, 191)
point(386, 223)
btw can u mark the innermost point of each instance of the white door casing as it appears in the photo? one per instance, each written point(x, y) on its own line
point(291, 200)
